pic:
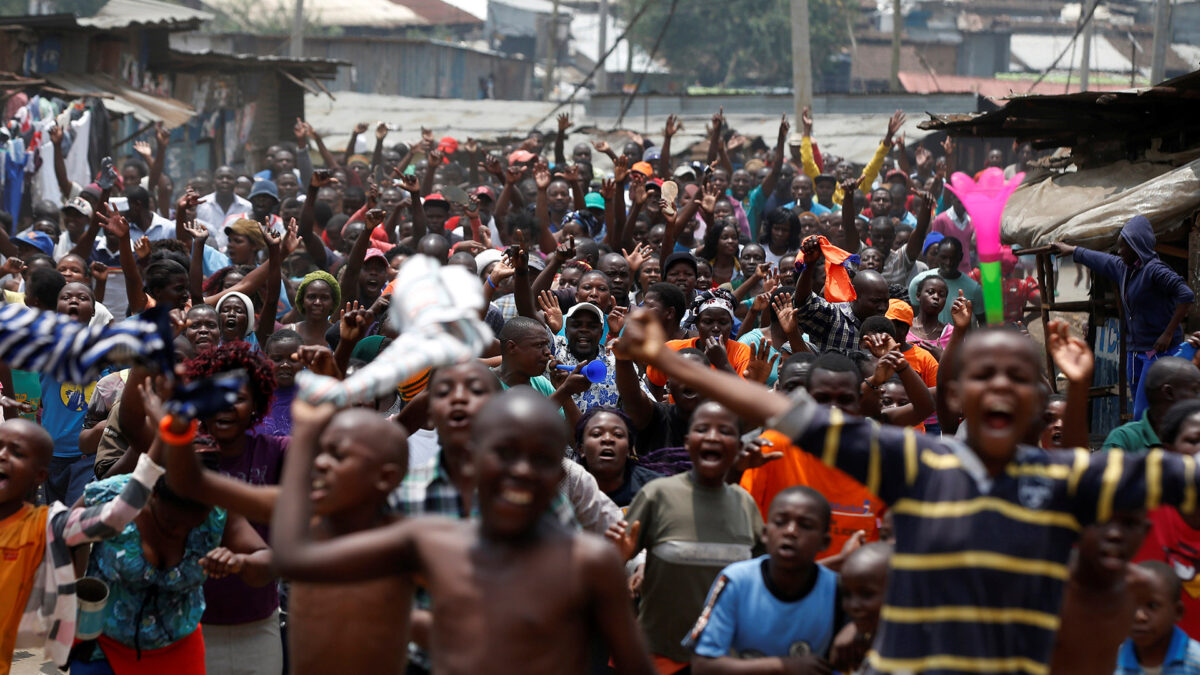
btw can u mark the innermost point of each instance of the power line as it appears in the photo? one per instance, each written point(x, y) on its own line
point(599, 63)
point(1070, 44)
point(642, 75)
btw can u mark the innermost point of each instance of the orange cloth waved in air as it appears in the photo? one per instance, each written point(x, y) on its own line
point(853, 506)
point(837, 278)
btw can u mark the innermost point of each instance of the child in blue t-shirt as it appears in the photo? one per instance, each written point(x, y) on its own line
point(780, 607)
point(1156, 644)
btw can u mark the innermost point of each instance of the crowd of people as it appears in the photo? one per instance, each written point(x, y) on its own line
point(739, 415)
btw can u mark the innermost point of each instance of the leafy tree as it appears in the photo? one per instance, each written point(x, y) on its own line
point(738, 42)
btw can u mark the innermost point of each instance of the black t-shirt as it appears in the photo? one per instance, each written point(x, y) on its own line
point(666, 429)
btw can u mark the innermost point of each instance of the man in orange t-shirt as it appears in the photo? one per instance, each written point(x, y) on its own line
point(853, 507)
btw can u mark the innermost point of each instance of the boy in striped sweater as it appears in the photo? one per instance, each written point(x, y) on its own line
point(984, 529)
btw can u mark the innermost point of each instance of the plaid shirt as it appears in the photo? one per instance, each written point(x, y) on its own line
point(830, 326)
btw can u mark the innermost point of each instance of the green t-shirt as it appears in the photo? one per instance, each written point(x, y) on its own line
point(690, 533)
point(1136, 437)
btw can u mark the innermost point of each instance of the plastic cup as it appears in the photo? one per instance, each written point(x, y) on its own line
point(92, 594)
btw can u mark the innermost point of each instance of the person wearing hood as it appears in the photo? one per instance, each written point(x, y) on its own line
point(1156, 299)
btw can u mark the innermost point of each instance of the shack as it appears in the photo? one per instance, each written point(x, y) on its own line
point(1116, 154)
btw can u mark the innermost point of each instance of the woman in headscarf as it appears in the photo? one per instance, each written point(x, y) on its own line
point(318, 296)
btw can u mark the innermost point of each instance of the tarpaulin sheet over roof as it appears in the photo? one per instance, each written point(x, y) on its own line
point(124, 99)
point(1088, 207)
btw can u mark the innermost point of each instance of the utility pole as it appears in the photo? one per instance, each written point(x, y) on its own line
point(802, 86)
point(897, 24)
point(551, 53)
point(1085, 54)
point(296, 44)
point(602, 73)
point(1162, 37)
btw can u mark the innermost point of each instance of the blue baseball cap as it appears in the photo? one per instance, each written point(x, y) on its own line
point(37, 239)
point(264, 187)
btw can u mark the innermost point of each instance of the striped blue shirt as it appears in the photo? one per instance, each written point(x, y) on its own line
point(977, 575)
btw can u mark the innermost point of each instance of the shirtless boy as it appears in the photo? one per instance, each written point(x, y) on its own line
point(514, 592)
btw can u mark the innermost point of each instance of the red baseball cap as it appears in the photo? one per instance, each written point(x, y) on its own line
point(484, 191)
point(448, 146)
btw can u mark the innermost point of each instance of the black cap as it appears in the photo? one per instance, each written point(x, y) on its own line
point(681, 256)
point(825, 178)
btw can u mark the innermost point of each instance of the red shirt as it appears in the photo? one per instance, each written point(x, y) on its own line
point(1173, 541)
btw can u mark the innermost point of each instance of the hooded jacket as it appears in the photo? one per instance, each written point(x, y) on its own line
point(1149, 289)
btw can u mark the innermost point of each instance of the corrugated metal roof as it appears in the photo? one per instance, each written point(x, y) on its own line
point(925, 83)
point(126, 13)
point(1035, 53)
point(121, 98)
point(439, 13)
point(313, 65)
point(372, 13)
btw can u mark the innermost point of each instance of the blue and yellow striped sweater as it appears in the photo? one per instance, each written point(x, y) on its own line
point(977, 575)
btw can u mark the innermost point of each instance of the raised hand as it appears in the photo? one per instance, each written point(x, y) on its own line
point(601, 146)
point(410, 183)
point(321, 178)
point(621, 169)
point(923, 157)
point(948, 146)
point(12, 266)
point(381, 131)
point(806, 120)
point(878, 344)
point(291, 240)
point(616, 319)
point(99, 271)
point(361, 128)
point(375, 217)
point(761, 361)
point(642, 338)
point(142, 248)
point(116, 225)
point(274, 239)
point(353, 322)
point(566, 250)
point(491, 164)
point(784, 130)
point(624, 536)
point(708, 201)
point(637, 188)
point(318, 359)
point(541, 174)
point(56, 134)
point(751, 456)
point(435, 157)
point(548, 303)
point(161, 135)
point(673, 127)
point(300, 131)
point(571, 173)
point(960, 312)
point(641, 253)
point(810, 248)
point(608, 189)
point(895, 123)
point(143, 148)
point(514, 174)
point(1070, 354)
point(564, 122)
point(471, 145)
point(786, 313)
point(197, 232)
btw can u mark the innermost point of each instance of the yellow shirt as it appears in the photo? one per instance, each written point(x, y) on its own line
point(869, 174)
